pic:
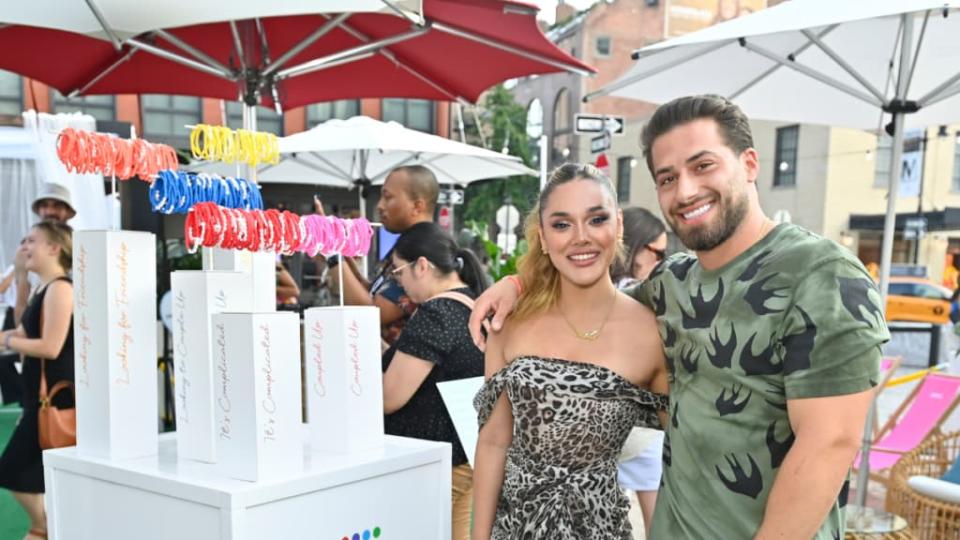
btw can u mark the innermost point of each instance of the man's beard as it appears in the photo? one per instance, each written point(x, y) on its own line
point(707, 237)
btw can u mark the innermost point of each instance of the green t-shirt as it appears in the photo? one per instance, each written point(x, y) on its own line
point(795, 316)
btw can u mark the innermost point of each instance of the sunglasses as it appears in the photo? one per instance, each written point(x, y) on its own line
point(660, 253)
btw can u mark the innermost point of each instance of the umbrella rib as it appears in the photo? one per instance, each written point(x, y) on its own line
point(607, 90)
point(350, 54)
point(916, 53)
point(511, 49)
point(325, 28)
point(193, 51)
point(237, 45)
point(770, 71)
point(341, 172)
point(104, 73)
point(944, 91)
point(812, 73)
point(400, 11)
point(320, 169)
point(390, 55)
point(174, 57)
point(842, 63)
point(117, 44)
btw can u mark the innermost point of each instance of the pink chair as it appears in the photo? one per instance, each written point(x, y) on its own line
point(919, 416)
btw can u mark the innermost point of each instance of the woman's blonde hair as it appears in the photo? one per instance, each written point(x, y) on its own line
point(541, 280)
point(59, 234)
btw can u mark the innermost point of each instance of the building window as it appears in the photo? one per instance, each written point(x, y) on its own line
point(413, 113)
point(785, 173)
point(165, 117)
point(562, 128)
point(881, 176)
point(100, 107)
point(956, 163)
point(11, 93)
point(268, 120)
point(624, 167)
point(319, 113)
point(603, 46)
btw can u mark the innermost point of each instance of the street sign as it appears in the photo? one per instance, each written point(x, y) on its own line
point(600, 143)
point(918, 224)
point(450, 197)
point(596, 123)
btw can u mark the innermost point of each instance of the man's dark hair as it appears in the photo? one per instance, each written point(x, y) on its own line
point(422, 184)
point(734, 126)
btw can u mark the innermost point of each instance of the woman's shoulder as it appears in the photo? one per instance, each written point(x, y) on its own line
point(628, 307)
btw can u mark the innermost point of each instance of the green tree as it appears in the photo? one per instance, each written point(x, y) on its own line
point(504, 121)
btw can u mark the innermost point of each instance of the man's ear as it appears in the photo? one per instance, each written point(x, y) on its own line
point(750, 161)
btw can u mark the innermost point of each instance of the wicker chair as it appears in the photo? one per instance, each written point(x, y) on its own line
point(929, 518)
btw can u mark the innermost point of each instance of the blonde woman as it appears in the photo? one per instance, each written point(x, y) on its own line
point(574, 369)
point(44, 335)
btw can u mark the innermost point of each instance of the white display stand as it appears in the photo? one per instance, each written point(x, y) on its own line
point(260, 265)
point(344, 382)
point(257, 394)
point(403, 490)
point(196, 297)
point(115, 342)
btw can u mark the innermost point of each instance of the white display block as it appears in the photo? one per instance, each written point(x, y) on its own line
point(261, 265)
point(257, 391)
point(115, 340)
point(196, 297)
point(344, 383)
point(336, 496)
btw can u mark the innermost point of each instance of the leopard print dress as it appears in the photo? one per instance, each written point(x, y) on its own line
point(570, 420)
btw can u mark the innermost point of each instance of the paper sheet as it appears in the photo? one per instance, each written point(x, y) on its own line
point(458, 398)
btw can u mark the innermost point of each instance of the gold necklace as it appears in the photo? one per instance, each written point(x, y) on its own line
point(591, 335)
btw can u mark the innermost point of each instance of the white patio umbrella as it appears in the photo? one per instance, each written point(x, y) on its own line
point(843, 63)
point(360, 150)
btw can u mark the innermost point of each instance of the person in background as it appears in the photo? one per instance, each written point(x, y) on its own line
point(409, 196)
point(52, 203)
point(645, 244)
point(288, 292)
point(45, 339)
point(434, 346)
point(10, 391)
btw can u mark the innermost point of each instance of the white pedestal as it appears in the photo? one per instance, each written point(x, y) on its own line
point(343, 378)
point(115, 313)
point(257, 392)
point(336, 496)
point(196, 297)
point(260, 265)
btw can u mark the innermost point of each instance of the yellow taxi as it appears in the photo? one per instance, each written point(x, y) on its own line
point(916, 299)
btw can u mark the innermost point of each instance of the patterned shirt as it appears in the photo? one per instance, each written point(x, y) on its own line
point(795, 316)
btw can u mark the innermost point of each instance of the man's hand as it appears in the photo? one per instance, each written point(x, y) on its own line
point(317, 206)
point(499, 300)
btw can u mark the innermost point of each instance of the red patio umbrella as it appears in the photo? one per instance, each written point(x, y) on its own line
point(459, 49)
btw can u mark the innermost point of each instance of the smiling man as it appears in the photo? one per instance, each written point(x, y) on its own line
point(772, 336)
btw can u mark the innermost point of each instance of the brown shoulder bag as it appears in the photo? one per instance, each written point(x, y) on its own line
point(58, 427)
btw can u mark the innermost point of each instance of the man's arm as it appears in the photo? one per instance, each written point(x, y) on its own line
point(499, 301)
point(355, 291)
point(828, 432)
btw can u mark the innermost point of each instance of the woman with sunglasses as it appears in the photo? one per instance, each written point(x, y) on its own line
point(434, 346)
point(645, 242)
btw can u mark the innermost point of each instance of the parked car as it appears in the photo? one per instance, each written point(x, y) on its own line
point(918, 300)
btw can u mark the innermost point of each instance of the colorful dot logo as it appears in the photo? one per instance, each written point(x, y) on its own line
point(365, 535)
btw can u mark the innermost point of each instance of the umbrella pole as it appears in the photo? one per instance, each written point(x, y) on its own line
point(886, 254)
